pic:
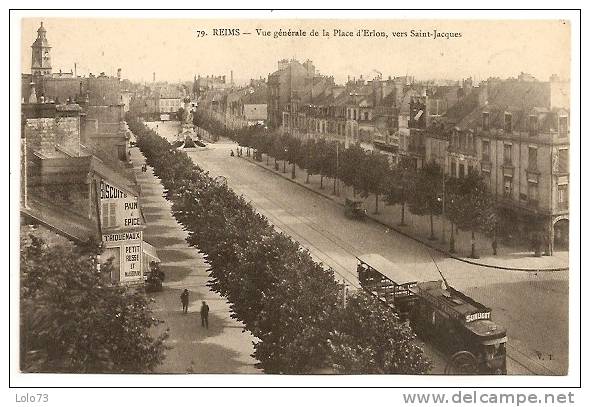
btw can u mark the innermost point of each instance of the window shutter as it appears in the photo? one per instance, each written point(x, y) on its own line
point(113, 214)
point(105, 214)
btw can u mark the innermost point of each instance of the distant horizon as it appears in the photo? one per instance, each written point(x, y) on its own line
point(502, 49)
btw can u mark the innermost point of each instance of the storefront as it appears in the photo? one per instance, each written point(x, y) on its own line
point(126, 250)
point(122, 232)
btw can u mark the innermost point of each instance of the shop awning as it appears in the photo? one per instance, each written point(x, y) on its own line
point(149, 255)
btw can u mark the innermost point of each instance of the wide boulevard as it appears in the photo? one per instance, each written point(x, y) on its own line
point(530, 305)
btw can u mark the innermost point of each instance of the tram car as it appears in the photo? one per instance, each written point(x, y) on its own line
point(455, 323)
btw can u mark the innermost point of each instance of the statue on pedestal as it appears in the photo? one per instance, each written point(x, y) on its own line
point(187, 138)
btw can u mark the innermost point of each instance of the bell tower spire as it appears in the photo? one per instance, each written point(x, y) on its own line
point(41, 53)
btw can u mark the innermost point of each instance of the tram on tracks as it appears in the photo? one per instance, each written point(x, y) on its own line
point(453, 322)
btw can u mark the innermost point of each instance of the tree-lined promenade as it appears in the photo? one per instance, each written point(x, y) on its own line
point(290, 303)
point(314, 218)
point(466, 202)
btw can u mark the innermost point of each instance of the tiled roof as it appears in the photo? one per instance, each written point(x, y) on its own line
point(320, 87)
point(60, 220)
point(520, 98)
point(256, 95)
point(169, 92)
point(463, 107)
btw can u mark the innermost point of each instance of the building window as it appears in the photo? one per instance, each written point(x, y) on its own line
point(533, 192)
point(563, 160)
point(562, 195)
point(485, 150)
point(532, 158)
point(109, 214)
point(507, 187)
point(366, 115)
point(533, 125)
point(453, 169)
point(562, 126)
point(507, 153)
point(461, 170)
point(487, 179)
point(508, 122)
point(485, 120)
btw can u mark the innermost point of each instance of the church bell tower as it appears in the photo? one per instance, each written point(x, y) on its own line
point(41, 54)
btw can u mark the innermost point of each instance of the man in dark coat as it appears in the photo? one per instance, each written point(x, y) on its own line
point(184, 300)
point(205, 315)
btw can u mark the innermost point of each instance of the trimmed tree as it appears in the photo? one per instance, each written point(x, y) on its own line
point(425, 199)
point(469, 207)
point(371, 338)
point(374, 176)
point(400, 183)
point(351, 167)
point(293, 152)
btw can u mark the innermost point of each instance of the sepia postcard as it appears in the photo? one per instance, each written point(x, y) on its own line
point(324, 199)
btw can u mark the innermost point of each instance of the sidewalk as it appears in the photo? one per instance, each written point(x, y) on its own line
point(418, 227)
point(224, 347)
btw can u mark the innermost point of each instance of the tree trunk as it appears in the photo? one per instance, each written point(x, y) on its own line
point(307, 178)
point(376, 204)
point(452, 239)
point(321, 182)
point(403, 221)
point(473, 254)
point(334, 191)
point(293, 171)
point(284, 166)
point(432, 237)
point(267, 160)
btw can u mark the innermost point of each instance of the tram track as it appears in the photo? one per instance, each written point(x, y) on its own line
point(342, 270)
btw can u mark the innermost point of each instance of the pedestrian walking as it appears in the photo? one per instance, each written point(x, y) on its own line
point(205, 315)
point(184, 301)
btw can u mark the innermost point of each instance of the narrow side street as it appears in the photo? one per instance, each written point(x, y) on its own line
point(224, 347)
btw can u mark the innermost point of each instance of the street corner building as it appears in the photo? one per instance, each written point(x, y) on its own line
point(76, 177)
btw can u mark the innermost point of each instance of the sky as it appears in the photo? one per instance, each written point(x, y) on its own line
point(173, 49)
